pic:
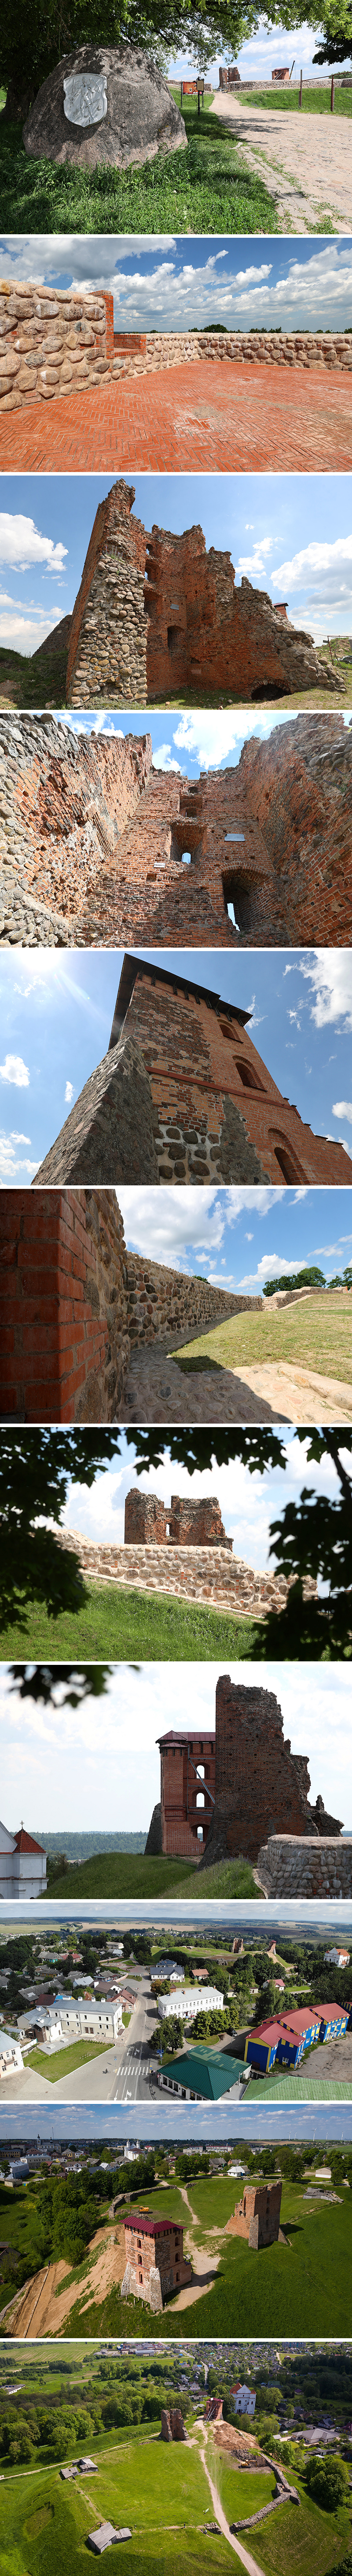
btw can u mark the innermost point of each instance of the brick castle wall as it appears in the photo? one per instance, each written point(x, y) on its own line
point(92, 840)
point(180, 1788)
point(259, 1784)
point(185, 1523)
point(318, 1866)
point(194, 626)
point(64, 1341)
point(218, 1114)
point(52, 340)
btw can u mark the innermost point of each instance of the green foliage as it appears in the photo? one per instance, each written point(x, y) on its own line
point(30, 48)
point(328, 2481)
point(77, 1682)
point(310, 1278)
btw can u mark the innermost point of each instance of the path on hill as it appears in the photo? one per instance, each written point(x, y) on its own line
point(247, 2560)
point(209, 417)
point(306, 161)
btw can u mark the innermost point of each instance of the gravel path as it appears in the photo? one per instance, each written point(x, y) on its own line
point(156, 1390)
point(306, 161)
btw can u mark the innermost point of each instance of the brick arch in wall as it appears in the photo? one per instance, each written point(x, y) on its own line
point(287, 1159)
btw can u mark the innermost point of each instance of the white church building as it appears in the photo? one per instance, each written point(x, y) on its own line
point(186, 2003)
point(22, 1864)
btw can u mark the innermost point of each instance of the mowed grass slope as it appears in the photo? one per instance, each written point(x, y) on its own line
point(125, 1625)
point(161, 2493)
point(300, 2537)
point(315, 1334)
point(132, 1874)
point(204, 189)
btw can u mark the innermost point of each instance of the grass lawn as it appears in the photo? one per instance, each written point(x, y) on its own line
point(126, 1624)
point(64, 2061)
point(316, 1334)
point(44, 2525)
point(241, 2491)
point(307, 2541)
point(202, 190)
point(32, 679)
point(126, 1874)
point(315, 102)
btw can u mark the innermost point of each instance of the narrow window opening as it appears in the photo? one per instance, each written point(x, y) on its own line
point(186, 858)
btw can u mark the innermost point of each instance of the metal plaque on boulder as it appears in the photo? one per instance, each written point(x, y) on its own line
point(85, 98)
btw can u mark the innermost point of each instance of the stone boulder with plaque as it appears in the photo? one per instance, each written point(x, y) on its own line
point(104, 104)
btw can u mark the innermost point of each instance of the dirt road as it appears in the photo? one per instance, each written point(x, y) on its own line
point(306, 161)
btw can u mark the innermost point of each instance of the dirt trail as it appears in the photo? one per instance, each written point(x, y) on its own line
point(204, 2272)
point(252, 2564)
point(306, 161)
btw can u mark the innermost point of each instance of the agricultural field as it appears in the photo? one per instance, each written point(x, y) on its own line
point(309, 2275)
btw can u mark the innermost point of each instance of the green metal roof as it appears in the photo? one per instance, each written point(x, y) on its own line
point(298, 2088)
point(206, 2072)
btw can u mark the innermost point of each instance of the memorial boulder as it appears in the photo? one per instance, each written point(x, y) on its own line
point(104, 104)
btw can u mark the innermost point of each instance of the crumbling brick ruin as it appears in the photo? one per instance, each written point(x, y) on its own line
point(261, 1788)
point(156, 616)
point(98, 849)
point(187, 1100)
point(184, 1522)
point(74, 1302)
point(173, 2428)
point(155, 2265)
point(257, 2216)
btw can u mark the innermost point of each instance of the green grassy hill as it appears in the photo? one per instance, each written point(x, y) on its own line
point(130, 1874)
point(264, 2295)
point(124, 1625)
point(316, 1334)
point(162, 2493)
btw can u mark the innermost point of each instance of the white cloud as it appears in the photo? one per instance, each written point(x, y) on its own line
point(162, 759)
point(328, 971)
point(184, 1227)
point(322, 574)
point(17, 1138)
point(14, 1070)
point(21, 543)
point(342, 1109)
point(209, 737)
point(272, 1266)
point(69, 1091)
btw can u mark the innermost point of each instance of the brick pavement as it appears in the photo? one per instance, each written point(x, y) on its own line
point(176, 421)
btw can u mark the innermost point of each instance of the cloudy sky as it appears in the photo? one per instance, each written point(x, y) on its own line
point(57, 1010)
point(163, 284)
point(83, 1768)
point(104, 2124)
point(291, 534)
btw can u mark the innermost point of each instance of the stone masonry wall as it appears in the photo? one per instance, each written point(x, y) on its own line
point(260, 1785)
point(165, 1305)
point(63, 805)
point(321, 1866)
point(109, 1135)
point(188, 619)
point(64, 1341)
point(257, 2215)
point(218, 1114)
point(52, 341)
point(190, 1574)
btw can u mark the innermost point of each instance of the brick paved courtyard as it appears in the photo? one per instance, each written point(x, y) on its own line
point(182, 420)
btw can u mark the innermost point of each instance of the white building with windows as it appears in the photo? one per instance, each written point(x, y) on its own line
point(22, 1864)
point(187, 2004)
point(11, 2060)
point(243, 2399)
point(336, 1958)
point(72, 2017)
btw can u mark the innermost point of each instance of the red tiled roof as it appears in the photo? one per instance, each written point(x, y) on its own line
point(24, 1842)
point(150, 2226)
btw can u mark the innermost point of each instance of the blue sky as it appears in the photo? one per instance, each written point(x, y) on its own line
point(101, 2122)
point(291, 534)
point(171, 283)
point(57, 1009)
point(75, 1776)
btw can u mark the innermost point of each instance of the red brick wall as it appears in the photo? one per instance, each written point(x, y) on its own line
point(259, 1785)
point(180, 1816)
point(186, 1524)
point(263, 2204)
point(299, 786)
point(64, 1342)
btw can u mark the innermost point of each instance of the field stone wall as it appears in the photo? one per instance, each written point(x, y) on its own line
point(55, 341)
point(317, 1866)
point(164, 1304)
point(187, 1573)
point(52, 342)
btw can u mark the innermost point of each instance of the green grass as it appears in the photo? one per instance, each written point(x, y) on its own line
point(125, 1874)
point(314, 1335)
point(315, 102)
point(128, 1625)
point(307, 2541)
point(241, 2491)
point(65, 2061)
point(201, 190)
point(162, 2496)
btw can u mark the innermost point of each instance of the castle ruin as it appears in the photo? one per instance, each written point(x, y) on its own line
point(182, 1096)
point(222, 1795)
point(257, 2216)
point(98, 849)
point(157, 617)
